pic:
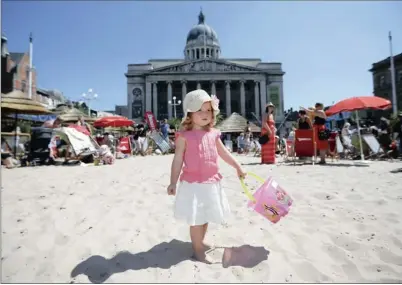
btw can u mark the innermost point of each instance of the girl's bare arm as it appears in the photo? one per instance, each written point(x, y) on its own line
point(177, 163)
point(226, 155)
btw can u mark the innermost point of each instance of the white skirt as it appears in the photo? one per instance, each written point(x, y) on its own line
point(201, 203)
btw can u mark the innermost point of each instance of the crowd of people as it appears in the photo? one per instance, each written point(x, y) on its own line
point(389, 137)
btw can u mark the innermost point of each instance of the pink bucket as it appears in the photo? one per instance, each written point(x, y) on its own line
point(270, 200)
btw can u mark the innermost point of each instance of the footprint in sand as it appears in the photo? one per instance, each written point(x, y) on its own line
point(61, 239)
point(352, 272)
point(380, 268)
point(387, 256)
point(324, 196)
point(354, 197)
point(397, 242)
point(346, 243)
point(336, 253)
point(309, 272)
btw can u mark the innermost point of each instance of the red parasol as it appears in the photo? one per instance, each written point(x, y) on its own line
point(113, 121)
point(356, 104)
point(359, 103)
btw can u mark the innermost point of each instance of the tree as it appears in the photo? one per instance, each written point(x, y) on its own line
point(219, 119)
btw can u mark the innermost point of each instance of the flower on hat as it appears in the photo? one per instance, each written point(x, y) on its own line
point(215, 102)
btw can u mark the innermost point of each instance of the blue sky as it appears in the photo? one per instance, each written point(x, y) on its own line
point(326, 47)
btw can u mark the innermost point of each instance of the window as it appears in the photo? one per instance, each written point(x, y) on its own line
point(23, 85)
point(399, 76)
point(382, 81)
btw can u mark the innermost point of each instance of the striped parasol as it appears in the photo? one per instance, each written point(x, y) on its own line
point(17, 102)
point(71, 114)
point(235, 123)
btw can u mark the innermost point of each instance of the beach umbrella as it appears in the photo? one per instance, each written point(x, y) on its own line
point(113, 121)
point(70, 114)
point(17, 102)
point(359, 103)
point(356, 104)
point(235, 123)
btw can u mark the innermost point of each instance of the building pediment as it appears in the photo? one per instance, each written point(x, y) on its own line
point(207, 66)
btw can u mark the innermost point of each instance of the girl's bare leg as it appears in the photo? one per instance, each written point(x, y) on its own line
point(205, 228)
point(197, 234)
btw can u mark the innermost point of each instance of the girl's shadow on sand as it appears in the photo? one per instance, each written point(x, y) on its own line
point(164, 255)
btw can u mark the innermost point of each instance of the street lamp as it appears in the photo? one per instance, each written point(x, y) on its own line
point(89, 96)
point(174, 104)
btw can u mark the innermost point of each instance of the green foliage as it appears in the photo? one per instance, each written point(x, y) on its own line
point(25, 126)
point(219, 119)
point(175, 122)
point(394, 120)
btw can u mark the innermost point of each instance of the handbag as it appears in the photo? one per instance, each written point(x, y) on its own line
point(324, 135)
point(263, 139)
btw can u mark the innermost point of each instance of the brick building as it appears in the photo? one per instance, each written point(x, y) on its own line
point(15, 76)
point(382, 86)
point(15, 71)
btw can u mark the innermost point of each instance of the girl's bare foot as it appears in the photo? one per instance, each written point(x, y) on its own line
point(208, 247)
point(201, 257)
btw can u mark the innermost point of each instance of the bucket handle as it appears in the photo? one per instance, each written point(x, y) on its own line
point(243, 185)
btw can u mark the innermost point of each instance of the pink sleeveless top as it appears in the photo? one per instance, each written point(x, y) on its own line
point(201, 157)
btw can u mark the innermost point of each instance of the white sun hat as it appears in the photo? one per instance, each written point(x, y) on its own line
point(194, 100)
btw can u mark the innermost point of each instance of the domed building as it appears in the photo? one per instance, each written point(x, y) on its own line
point(243, 85)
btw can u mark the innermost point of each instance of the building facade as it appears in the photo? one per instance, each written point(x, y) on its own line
point(15, 71)
point(382, 86)
point(15, 76)
point(242, 85)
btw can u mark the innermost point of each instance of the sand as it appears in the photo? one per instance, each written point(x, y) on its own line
point(115, 224)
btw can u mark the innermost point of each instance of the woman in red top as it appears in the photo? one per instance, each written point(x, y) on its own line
point(319, 127)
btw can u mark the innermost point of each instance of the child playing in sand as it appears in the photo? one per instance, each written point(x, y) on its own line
point(200, 198)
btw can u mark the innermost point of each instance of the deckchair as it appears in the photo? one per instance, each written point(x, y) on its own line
point(340, 149)
point(332, 150)
point(257, 150)
point(374, 145)
point(125, 145)
point(288, 149)
point(304, 145)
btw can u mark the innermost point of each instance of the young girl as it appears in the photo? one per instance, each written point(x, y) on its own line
point(200, 198)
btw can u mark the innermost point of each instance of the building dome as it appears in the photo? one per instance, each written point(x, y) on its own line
point(202, 41)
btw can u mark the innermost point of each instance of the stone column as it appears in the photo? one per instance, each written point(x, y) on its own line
point(263, 94)
point(198, 85)
point(242, 99)
point(228, 100)
point(213, 88)
point(169, 91)
point(129, 101)
point(148, 96)
point(183, 89)
point(256, 99)
point(281, 102)
point(155, 99)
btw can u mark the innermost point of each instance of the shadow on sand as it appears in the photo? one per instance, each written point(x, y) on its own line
point(328, 164)
point(398, 170)
point(164, 255)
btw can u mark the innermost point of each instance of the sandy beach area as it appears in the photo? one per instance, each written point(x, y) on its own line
point(73, 224)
